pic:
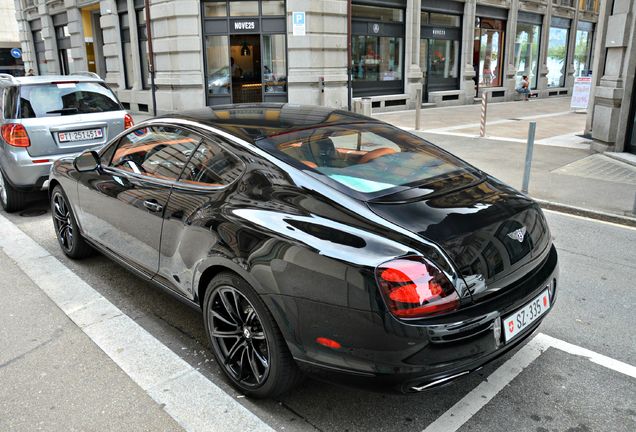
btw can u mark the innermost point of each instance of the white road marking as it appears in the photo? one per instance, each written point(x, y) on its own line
point(627, 227)
point(191, 399)
point(469, 405)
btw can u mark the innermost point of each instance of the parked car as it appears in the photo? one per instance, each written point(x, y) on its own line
point(48, 117)
point(315, 240)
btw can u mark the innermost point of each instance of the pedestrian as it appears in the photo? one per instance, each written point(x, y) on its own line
point(30, 73)
point(524, 88)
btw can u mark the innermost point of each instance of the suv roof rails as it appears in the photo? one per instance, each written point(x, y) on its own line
point(7, 77)
point(88, 74)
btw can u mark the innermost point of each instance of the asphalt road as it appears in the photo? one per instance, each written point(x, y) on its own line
point(557, 392)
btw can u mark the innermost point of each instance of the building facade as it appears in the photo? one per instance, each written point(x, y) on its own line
point(219, 51)
point(611, 119)
point(10, 59)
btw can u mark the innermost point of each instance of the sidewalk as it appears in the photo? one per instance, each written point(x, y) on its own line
point(564, 169)
point(54, 377)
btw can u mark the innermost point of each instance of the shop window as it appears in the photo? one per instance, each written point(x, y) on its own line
point(142, 37)
point(376, 58)
point(274, 65)
point(443, 19)
point(374, 13)
point(273, 7)
point(124, 28)
point(488, 51)
point(243, 8)
point(557, 55)
point(218, 65)
point(583, 53)
point(215, 9)
point(527, 52)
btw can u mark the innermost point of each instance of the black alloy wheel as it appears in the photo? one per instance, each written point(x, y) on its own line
point(238, 334)
point(245, 339)
point(68, 236)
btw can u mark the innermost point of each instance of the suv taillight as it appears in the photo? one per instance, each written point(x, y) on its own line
point(415, 288)
point(128, 121)
point(15, 135)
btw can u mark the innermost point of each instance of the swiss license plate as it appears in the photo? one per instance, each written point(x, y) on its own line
point(522, 318)
point(82, 135)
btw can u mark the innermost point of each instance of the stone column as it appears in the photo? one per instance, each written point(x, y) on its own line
point(413, 73)
point(616, 50)
point(322, 52)
point(134, 46)
point(467, 83)
point(509, 50)
point(113, 53)
point(569, 70)
point(542, 79)
point(78, 49)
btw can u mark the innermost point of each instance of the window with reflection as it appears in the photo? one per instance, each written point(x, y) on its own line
point(274, 64)
point(377, 50)
point(583, 50)
point(557, 56)
point(488, 51)
point(273, 7)
point(218, 65)
point(158, 151)
point(215, 9)
point(211, 165)
point(527, 52)
point(244, 8)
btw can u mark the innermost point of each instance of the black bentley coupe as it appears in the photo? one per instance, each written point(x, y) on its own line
point(315, 241)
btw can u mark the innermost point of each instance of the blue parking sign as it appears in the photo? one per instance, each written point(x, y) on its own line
point(299, 18)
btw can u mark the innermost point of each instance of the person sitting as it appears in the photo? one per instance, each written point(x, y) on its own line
point(524, 87)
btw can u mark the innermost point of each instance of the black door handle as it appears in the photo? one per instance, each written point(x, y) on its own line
point(153, 206)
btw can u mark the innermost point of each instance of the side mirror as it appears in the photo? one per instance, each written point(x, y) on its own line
point(87, 161)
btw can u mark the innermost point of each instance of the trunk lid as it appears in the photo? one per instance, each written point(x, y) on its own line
point(494, 234)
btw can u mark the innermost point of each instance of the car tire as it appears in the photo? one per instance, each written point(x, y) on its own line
point(11, 199)
point(261, 346)
point(67, 232)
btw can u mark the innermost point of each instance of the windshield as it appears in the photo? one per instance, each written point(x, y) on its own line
point(66, 98)
point(374, 159)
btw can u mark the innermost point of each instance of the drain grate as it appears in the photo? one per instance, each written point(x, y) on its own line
point(600, 167)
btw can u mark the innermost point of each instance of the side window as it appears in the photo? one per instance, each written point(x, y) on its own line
point(211, 165)
point(9, 100)
point(156, 151)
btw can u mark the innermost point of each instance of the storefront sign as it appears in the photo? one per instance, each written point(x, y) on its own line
point(298, 23)
point(581, 93)
point(244, 26)
point(374, 28)
point(428, 32)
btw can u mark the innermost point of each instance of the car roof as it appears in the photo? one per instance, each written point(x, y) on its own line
point(43, 79)
point(252, 122)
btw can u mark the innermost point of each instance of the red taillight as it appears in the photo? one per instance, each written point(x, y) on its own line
point(415, 288)
point(128, 121)
point(15, 135)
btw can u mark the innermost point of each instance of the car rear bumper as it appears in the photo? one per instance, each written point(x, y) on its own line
point(28, 173)
point(380, 352)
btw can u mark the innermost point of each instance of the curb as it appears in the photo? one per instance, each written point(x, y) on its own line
point(592, 214)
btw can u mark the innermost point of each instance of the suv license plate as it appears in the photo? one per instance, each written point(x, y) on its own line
point(83, 135)
point(522, 318)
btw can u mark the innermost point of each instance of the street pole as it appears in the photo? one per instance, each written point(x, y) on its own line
point(484, 111)
point(151, 58)
point(526, 172)
point(418, 107)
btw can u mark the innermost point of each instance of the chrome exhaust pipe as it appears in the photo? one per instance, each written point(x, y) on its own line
point(438, 382)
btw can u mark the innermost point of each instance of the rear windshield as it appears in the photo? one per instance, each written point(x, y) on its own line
point(370, 159)
point(66, 98)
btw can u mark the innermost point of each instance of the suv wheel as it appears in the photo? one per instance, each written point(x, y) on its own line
point(11, 199)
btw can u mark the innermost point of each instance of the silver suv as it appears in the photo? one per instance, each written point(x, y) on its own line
point(45, 118)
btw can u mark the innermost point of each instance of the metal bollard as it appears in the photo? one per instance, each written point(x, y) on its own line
point(526, 171)
point(484, 112)
point(418, 108)
point(366, 106)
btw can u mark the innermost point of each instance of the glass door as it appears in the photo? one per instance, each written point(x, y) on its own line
point(245, 68)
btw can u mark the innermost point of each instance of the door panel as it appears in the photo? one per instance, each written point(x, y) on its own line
point(193, 226)
point(122, 204)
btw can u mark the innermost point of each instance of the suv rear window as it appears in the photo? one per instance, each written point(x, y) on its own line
point(371, 159)
point(66, 98)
